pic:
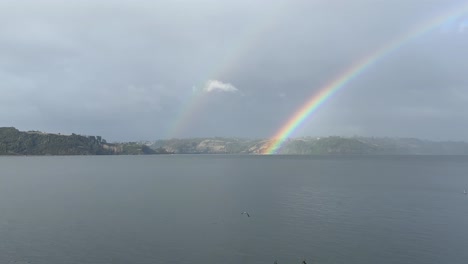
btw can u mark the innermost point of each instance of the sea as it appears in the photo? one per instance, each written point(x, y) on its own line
point(189, 209)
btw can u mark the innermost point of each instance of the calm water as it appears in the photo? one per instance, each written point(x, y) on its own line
point(187, 209)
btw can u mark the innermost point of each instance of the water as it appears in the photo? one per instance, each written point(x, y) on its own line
point(187, 209)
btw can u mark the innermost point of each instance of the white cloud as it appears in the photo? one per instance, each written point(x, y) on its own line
point(215, 85)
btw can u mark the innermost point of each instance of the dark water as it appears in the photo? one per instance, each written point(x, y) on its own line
point(187, 209)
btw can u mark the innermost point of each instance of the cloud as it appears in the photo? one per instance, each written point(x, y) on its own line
point(215, 85)
point(463, 25)
point(132, 79)
point(455, 24)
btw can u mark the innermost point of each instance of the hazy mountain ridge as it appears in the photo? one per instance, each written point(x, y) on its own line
point(215, 145)
point(315, 146)
point(15, 142)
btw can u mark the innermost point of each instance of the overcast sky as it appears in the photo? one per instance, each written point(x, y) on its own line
point(144, 70)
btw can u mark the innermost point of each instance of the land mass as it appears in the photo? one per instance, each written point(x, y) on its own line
point(15, 142)
point(314, 146)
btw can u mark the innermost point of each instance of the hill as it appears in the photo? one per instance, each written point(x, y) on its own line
point(216, 145)
point(15, 142)
point(314, 146)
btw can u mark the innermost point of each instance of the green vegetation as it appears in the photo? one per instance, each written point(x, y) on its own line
point(15, 142)
point(315, 146)
point(133, 148)
point(216, 145)
point(328, 145)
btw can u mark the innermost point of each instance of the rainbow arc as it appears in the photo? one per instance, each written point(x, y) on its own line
point(354, 71)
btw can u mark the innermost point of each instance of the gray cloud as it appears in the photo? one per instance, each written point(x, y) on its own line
point(123, 69)
point(462, 26)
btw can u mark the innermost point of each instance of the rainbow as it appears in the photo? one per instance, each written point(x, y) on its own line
point(244, 44)
point(353, 72)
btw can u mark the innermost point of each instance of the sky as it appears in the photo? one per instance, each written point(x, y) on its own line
point(146, 70)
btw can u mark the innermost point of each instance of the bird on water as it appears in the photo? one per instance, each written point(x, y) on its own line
point(303, 262)
point(246, 214)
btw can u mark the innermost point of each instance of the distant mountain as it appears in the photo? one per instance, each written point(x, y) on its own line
point(413, 146)
point(314, 146)
point(206, 145)
point(15, 142)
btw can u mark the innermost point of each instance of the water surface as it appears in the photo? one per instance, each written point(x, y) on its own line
point(187, 209)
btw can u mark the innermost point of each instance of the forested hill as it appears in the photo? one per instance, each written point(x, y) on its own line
point(315, 146)
point(15, 142)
